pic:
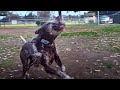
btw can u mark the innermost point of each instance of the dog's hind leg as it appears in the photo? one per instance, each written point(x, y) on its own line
point(26, 67)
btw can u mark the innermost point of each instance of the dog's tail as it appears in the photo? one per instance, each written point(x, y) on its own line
point(23, 39)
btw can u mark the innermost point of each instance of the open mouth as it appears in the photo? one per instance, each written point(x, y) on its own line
point(62, 27)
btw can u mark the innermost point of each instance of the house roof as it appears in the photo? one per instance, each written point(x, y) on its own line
point(89, 14)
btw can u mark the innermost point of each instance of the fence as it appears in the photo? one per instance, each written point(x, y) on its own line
point(113, 18)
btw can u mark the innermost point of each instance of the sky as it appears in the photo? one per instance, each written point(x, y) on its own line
point(55, 13)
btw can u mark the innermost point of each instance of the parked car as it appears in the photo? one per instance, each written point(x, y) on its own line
point(105, 19)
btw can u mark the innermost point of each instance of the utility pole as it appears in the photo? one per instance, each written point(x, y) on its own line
point(98, 18)
point(60, 13)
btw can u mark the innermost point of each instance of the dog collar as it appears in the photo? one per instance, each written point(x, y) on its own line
point(45, 41)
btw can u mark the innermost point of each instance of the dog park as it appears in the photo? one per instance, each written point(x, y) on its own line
point(88, 51)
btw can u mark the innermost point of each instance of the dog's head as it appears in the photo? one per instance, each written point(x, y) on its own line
point(52, 29)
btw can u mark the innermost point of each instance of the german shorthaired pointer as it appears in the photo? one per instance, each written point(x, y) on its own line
point(42, 49)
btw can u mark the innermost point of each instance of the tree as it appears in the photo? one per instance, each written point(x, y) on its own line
point(44, 14)
point(29, 16)
point(14, 16)
point(4, 13)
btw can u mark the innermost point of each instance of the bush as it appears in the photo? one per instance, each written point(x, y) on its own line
point(91, 21)
point(38, 23)
point(42, 23)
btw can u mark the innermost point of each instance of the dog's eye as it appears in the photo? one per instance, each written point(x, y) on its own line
point(54, 26)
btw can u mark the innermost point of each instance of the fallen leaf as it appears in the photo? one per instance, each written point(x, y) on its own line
point(86, 60)
point(77, 60)
point(42, 69)
point(118, 71)
point(72, 42)
point(49, 75)
point(11, 76)
point(5, 56)
point(106, 74)
point(19, 65)
point(90, 71)
point(97, 70)
point(8, 54)
point(113, 56)
point(68, 49)
point(98, 60)
point(16, 70)
point(54, 77)
point(95, 63)
point(116, 62)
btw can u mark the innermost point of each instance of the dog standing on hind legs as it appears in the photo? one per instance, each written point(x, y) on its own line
point(42, 49)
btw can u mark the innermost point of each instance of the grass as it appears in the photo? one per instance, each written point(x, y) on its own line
point(115, 28)
point(108, 65)
point(73, 34)
point(4, 37)
point(7, 63)
point(20, 25)
point(1, 50)
point(34, 25)
point(7, 36)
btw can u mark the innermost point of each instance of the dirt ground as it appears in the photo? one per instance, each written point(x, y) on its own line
point(81, 61)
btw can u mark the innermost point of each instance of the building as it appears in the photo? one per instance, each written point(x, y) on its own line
point(90, 18)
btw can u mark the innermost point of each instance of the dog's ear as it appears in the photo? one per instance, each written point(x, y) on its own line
point(40, 30)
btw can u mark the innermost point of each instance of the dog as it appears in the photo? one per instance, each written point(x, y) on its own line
point(45, 44)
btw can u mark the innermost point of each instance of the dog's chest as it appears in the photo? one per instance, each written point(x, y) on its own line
point(48, 54)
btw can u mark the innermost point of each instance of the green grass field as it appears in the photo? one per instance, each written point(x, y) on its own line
point(34, 25)
point(20, 25)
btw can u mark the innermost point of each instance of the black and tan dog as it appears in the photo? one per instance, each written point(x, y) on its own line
point(42, 49)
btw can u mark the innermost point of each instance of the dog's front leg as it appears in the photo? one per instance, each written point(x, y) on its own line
point(56, 72)
point(59, 63)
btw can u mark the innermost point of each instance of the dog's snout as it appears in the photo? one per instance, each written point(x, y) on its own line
point(62, 27)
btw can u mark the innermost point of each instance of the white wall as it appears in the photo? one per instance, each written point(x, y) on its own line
point(14, 21)
point(87, 19)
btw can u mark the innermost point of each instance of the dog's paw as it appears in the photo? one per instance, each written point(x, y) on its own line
point(68, 77)
point(63, 68)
